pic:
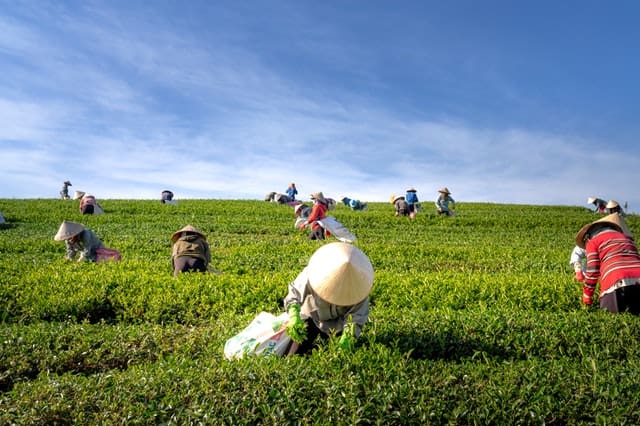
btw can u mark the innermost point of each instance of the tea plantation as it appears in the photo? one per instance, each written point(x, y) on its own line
point(475, 319)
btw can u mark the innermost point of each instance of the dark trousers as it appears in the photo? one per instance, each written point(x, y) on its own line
point(188, 264)
point(307, 346)
point(317, 234)
point(87, 209)
point(625, 299)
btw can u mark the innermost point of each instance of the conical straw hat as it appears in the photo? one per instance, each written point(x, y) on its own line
point(340, 274)
point(614, 219)
point(78, 195)
point(590, 200)
point(612, 204)
point(68, 230)
point(444, 190)
point(187, 228)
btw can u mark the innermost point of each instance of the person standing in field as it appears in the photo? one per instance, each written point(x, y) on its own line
point(600, 204)
point(79, 239)
point(445, 204)
point(330, 296)
point(412, 201)
point(613, 260)
point(318, 212)
point(190, 252)
point(292, 192)
point(400, 205)
point(64, 192)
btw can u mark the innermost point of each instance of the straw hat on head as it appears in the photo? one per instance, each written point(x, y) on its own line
point(66, 182)
point(444, 190)
point(318, 196)
point(340, 274)
point(591, 200)
point(614, 219)
point(78, 195)
point(612, 204)
point(190, 229)
point(395, 198)
point(297, 208)
point(68, 230)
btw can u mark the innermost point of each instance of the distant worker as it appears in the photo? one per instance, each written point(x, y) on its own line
point(400, 204)
point(190, 251)
point(89, 205)
point(600, 205)
point(292, 192)
point(166, 197)
point(318, 212)
point(445, 204)
point(79, 239)
point(329, 297)
point(411, 198)
point(614, 207)
point(301, 212)
point(578, 261)
point(64, 192)
point(277, 197)
point(613, 260)
point(354, 204)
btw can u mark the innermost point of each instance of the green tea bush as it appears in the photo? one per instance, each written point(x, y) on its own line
point(475, 319)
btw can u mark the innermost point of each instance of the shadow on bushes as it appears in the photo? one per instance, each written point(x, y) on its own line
point(446, 345)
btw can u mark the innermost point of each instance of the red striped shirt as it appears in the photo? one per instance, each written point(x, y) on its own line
point(611, 256)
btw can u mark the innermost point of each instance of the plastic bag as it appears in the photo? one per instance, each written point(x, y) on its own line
point(265, 335)
point(105, 254)
point(332, 225)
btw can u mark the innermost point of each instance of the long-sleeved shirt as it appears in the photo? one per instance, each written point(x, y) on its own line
point(292, 192)
point(578, 258)
point(611, 257)
point(318, 212)
point(87, 243)
point(411, 197)
point(442, 203)
point(326, 317)
point(191, 246)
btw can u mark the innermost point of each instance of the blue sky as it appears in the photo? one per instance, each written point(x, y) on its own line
point(528, 102)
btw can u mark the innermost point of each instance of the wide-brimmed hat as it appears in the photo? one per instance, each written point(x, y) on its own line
point(612, 204)
point(444, 190)
point(298, 207)
point(66, 182)
point(190, 229)
point(591, 200)
point(318, 196)
point(614, 219)
point(340, 274)
point(68, 230)
point(395, 198)
point(78, 195)
point(412, 189)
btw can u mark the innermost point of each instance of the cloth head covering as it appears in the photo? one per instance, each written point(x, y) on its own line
point(68, 230)
point(612, 204)
point(189, 229)
point(614, 219)
point(444, 190)
point(318, 196)
point(340, 274)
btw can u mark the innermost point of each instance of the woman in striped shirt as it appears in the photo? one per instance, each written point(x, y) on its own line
point(612, 259)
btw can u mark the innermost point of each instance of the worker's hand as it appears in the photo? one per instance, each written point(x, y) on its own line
point(579, 276)
point(586, 299)
point(296, 327)
point(347, 340)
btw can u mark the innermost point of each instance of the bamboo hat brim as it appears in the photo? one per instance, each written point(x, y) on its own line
point(614, 219)
point(340, 274)
point(68, 230)
point(189, 229)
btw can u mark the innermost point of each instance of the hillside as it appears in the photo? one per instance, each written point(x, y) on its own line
point(475, 319)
